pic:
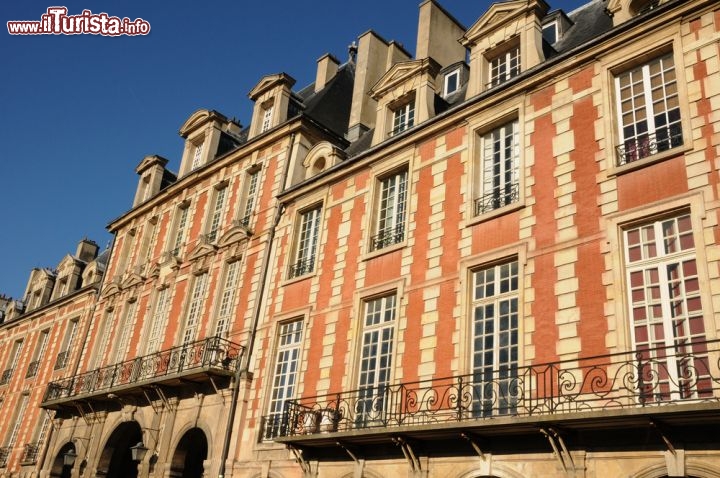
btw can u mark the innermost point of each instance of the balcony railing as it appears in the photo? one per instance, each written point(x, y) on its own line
point(387, 237)
point(207, 355)
point(62, 359)
point(497, 198)
point(647, 378)
point(302, 267)
point(32, 369)
point(6, 376)
point(645, 145)
point(4, 456)
point(30, 453)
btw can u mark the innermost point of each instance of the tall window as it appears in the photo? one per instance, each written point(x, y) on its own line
point(307, 241)
point(504, 66)
point(195, 308)
point(375, 358)
point(392, 204)
point(39, 353)
point(500, 168)
point(180, 226)
point(126, 328)
point(12, 362)
point(495, 338)
point(665, 309)
point(403, 117)
point(217, 212)
point(227, 298)
point(149, 236)
point(251, 186)
point(197, 157)
point(104, 338)
point(68, 342)
point(159, 318)
point(648, 109)
point(17, 421)
point(287, 363)
point(267, 118)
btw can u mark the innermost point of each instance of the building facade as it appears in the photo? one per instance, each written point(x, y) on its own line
point(496, 258)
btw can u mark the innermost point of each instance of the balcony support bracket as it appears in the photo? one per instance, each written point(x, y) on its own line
point(562, 453)
point(300, 459)
point(151, 402)
point(474, 444)
point(664, 435)
point(350, 451)
point(408, 452)
point(163, 397)
point(217, 390)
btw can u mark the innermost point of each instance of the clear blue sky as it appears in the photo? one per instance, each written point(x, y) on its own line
point(78, 113)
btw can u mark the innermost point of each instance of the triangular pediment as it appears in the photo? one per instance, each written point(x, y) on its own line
point(68, 262)
point(498, 15)
point(150, 161)
point(269, 82)
point(201, 249)
point(401, 72)
point(131, 280)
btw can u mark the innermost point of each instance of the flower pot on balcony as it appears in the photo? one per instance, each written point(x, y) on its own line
point(329, 420)
point(311, 422)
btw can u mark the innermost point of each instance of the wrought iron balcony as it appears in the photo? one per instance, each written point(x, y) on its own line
point(301, 267)
point(30, 453)
point(62, 359)
point(387, 237)
point(646, 145)
point(498, 198)
point(644, 382)
point(6, 376)
point(32, 369)
point(210, 356)
point(4, 455)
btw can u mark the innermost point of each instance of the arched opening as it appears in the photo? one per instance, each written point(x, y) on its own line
point(116, 458)
point(59, 469)
point(191, 452)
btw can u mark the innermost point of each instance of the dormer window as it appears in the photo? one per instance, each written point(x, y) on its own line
point(197, 157)
point(403, 117)
point(267, 118)
point(504, 65)
point(452, 82)
point(550, 32)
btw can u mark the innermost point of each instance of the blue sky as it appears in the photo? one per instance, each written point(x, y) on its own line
point(78, 113)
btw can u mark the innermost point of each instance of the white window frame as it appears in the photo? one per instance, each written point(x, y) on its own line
point(446, 86)
point(495, 320)
point(250, 194)
point(499, 168)
point(504, 65)
point(267, 116)
point(375, 367)
point(664, 327)
point(216, 216)
point(392, 202)
point(403, 117)
point(181, 223)
point(648, 127)
point(227, 298)
point(126, 329)
point(158, 322)
point(285, 374)
point(195, 308)
point(104, 334)
point(197, 156)
point(18, 421)
point(308, 238)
